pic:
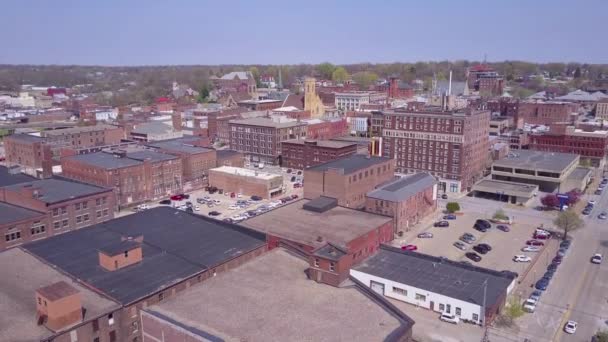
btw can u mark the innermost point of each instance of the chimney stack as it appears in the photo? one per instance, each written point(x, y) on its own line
point(176, 119)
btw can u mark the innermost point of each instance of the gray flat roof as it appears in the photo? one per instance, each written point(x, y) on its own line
point(509, 188)
point(438, 275)
point(53, 190)
point(152, 127)
point(403, 188)
point(12, 213)
point(176, 245)
point(27, 137)
point(266, 122)
point(179, 145)
point(270, 298)
point(7, 178)
point(226, 153)
point(338, 225)
point(351, 163)
point(322, 143)
point(105, 160)
point(539, 160)
point(72, 130)
point(579, 173)
point(150, 155)
point(17, 299)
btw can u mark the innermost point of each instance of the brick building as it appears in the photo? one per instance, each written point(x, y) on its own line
point(547, 113)
point(135, 176)
point(292, 113)
point(28, 151)
point(260, 138)
point(450, 145)
point(591, 146)
point(245, 181)
point(196, 160)
point(131, 262)
point(82, 137)
point(397, 89)
point(229, 158)
point(332, 237)
point(407, 200)
point(260, 104)
point(302, 154)
point(326, 129)
point(41, 208)
point(484, 78)
point(348, 179)
point(506, 106)
point(601, 109)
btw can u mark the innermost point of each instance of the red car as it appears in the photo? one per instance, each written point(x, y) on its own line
point(534, 243)
point(296, 185)
point(409, 248)
point(177, 197)
point(540, 236)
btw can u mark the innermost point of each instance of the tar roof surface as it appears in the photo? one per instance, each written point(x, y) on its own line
point(17, 299)
point(150, 155)
point(266, 122)
point(27, 137)
point(226, 153)
point(7, 178)
point(107, 161)
point(176, 245)
point(270, 298)
point(403, 188)
point(539, 160)
point(53, 190)
point(322, 143)
point(351, 163)
point(12, 213)
point(338, 225)
point(179, 145)
point(437, 275)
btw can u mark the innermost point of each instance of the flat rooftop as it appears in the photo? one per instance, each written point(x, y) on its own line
point(509, 188)
point(271, 299)
point(239, 171)
point(53, 190)
point(351, 163)
point(181, 145)
point(80, 129)
point(12, 213)
point(438, 275)
point(580, 173)
point(539, 160)
point(27, 137)
point(321, 143)
point(17, 299)
point(176, 245)
point(105, 160)
point(266, 122)
point(403, 188)
point(338, 225)
point(154, 156)
point(9, 178)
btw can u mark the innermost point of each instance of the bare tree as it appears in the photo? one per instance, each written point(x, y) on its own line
point(568, 221)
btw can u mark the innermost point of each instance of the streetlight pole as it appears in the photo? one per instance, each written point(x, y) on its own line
point(486, 337)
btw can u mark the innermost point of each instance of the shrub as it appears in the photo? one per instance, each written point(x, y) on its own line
point(452, 207)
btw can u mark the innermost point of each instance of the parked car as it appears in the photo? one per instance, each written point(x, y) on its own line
point(288, 170)
point(529, 305)
point(294, 196)
point(482, 225)
point(522, 258)
point(506, 220)
point(542, 284)
point(598, 192)
point(562, 252)
point(450, 318)
point(591, 202)
point(602, 216)
point(540, 236)
point(565, 244)
point(444, 196)
point(531, 249)
point(409, 248)
point(557, 259)
point(196, 208)
point(256, 198)
point(233, 207)
point(442, 224)
point(552, 267)
point(503, 228)
point(534, 243)
point(293, 179)
point(473, 256)
point(468, 238)
point(214, 213)
point(425, 235)
point(596, 258)
point(460, 245)
point(177, 197)
point(570, 327)
point(166, 202)
point(586, 211)
point(480, 249)
point(297, 185)
point(536, 295)
point(449, 217)
point(299, 173)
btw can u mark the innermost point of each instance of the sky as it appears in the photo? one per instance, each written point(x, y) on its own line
point(176, 32)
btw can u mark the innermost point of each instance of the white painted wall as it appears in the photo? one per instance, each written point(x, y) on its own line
point(467, 309)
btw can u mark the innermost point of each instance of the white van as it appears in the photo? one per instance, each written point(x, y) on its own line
point(261, 165)
point(446, 317)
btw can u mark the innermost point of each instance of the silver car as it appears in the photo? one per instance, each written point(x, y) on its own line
point(460, 245)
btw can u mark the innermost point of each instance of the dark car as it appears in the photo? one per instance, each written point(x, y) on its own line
point(552, 267)
point(483, 223)
point(442, 224)
point(587, 211)
point(542, 284)
point(534, 243)
point(293, 179)
point(214, 213)
point(473, 256)
point(549, 275)
point(186, 196)
point(449, 217)
point(251, 213)
point(294, 196)
point(288, 170)
point(485, 246)
point(299, 173)
point(256, 198)
point(444, 196)
point(165, 202)
point(598, 192)
point(480, 249)
point(558, 259)
point(565, 244)
point(503, 228)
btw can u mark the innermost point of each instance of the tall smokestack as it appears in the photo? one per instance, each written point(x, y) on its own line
point(450, 84)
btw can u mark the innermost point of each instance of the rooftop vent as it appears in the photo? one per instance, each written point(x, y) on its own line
point(321, 204)
point(58, 306)
point(121, 254)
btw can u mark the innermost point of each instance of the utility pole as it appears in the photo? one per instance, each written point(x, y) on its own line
point(486, 337)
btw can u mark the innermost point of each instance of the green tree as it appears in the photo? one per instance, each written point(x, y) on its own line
point(203, 95)
point(568, 221)
point(365, 78)
point(452, 207)
point(340, 75)
point(577, 72)
point(500, 215)
point(326, 70)
point(256, 75)
point(602, 336)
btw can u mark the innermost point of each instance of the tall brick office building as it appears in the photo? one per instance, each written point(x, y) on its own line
point(451, 145)
point(302, 154)
point(546, 113)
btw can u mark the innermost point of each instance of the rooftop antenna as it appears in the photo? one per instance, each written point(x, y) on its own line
point(450, 84)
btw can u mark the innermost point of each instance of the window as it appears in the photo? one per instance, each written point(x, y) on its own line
point(316, 262)
point(458, 311)
point(420, 297)
point(111, 318)
point(73, 336)
point(39, 301)
point(37, 228)
point(56, 212)
point(64, 223)
point(95, 325)
point(12, 236)
point(105, 212)
point(475, 317)
point(85, 205)
point(332, 266)
point(85, 217)
point(57, 224)
point(78, 219)
point(399, 291)
point(64, 210)
point(161, 296)
point(126, 254)
point(448, 308)
point(441, 307)
point(98, 213)
point(77, 206)
point(98, 201)
point(112, 336)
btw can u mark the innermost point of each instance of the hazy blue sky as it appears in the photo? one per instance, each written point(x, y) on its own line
point(124, 32)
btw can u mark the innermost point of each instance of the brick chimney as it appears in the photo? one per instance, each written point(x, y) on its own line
point(121, 254)
point(58, 306)
point(393, 87)
point(176, 119)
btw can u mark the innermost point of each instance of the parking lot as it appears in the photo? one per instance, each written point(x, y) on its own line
point(505, 245)
point(237, 206)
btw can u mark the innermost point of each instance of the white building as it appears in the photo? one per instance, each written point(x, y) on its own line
point(351, 101)
point(357, 124)
point(437, 284)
